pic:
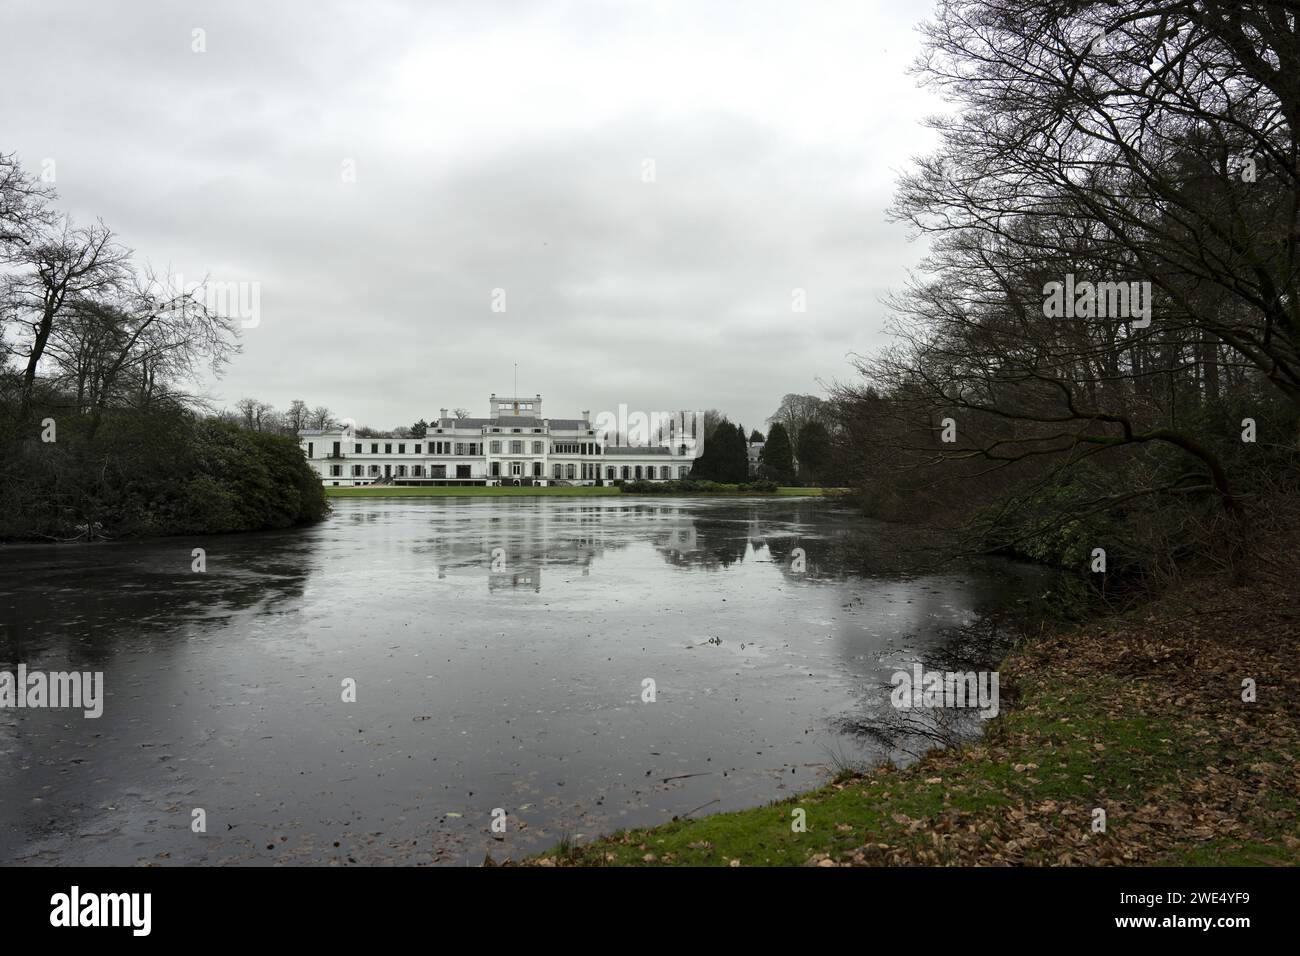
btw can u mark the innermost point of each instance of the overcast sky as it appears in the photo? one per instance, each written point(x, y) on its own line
point(495, 146)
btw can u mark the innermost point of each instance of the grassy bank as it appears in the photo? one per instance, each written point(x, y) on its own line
point(476, 491)
point(1140, 715)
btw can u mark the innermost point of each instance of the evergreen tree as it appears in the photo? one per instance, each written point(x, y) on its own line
point(814, 452)
point(736, 466)
point(706, 466)
point(778, 457)
point(420, 429)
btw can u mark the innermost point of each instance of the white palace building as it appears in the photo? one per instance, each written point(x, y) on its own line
point(515, 445)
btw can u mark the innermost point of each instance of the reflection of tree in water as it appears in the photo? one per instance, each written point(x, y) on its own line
point(906, 734)
point(704, 543)
point(717, 536)
point(72, 604)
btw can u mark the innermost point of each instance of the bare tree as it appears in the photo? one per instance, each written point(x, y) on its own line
point(144, 345)
point(796, 411)
point(248, 412)
point(1162, 131)
point(296, 416)
point(321, 417)
point(24, 205)
point(54, 271)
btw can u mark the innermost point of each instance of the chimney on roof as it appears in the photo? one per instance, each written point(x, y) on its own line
point(442, 413)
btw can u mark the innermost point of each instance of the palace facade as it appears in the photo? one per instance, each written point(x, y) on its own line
point(516, 444)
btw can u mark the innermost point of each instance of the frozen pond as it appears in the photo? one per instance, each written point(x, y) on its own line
point(498, 647)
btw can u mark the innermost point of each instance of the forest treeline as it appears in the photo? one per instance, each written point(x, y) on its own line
point(1100, 350)
point(98, 437)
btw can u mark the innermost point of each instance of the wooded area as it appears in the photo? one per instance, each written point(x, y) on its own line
point(98, 435)
point(1106, 151)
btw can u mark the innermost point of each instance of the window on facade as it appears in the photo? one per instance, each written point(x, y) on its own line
point(537, 469)
point(516, 468)
point(496, 469)
point(417, 449)
point(460, 448)
point(537, 448)
point(570, 472)
point(388, 448)
point(516, 448)
point(357, 471)
point(401, 449)
point(609, 472)
point(682, 471)
point(496, 448)
point(417, 470)
point(336, 471)
point(311, 450)
point(356, 449)
point(374, 448)
point(555, 470)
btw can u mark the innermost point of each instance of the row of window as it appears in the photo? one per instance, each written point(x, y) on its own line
point(575, 448)
point(588, 471)
point(435, 448)
point(402, 471)
point(558, 448)
point(472, 448)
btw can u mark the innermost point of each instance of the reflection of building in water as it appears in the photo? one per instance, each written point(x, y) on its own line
point(530, 579)
point(681, 539)
point(514, 540)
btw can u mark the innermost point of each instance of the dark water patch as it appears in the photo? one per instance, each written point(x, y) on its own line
point(499, 648)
